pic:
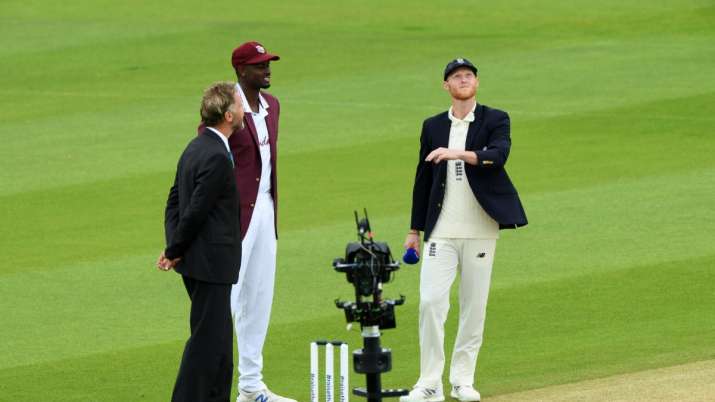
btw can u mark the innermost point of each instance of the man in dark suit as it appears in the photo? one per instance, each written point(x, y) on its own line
point(203, 239)
point(462, 196)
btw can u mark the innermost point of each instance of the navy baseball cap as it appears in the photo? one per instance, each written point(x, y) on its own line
point(457, 63)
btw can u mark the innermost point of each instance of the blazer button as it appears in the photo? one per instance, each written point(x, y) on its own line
point(258, 179)
point(442, 184)
point(439, 205)
point(252, 205)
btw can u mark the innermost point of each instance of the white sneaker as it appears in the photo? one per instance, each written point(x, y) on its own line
point(423, 394)
point(264, 395)
point(465, 393)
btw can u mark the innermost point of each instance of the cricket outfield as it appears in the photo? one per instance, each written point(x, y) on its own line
point(612, 105)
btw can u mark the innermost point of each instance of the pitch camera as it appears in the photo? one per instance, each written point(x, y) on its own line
point(367, 265)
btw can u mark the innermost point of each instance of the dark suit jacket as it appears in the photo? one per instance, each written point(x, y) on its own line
point(247, 154)
point(488, 136)
point(202, 213)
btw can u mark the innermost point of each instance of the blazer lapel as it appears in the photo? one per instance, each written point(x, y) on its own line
point(475, 126)
point(248, 119)
point(441, 137)
point(270, 126)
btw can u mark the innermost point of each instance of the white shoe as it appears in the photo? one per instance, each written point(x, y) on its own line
point(423, 394)
point(264, 395)
point(465, 393)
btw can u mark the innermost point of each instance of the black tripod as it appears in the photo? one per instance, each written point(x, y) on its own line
point(367, 265)
point(372, 361)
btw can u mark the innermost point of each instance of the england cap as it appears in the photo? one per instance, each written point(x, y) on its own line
point(457, 63)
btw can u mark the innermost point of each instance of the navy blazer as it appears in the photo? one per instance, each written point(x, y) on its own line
point(488, 136)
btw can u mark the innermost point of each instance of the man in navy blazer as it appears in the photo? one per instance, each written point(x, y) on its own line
point(462, 196)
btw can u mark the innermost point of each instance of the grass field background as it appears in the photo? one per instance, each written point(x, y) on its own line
point(612, 108)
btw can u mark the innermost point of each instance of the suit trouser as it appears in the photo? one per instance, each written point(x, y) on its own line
point(441, 260)
point(207, 363)
point(252, 296)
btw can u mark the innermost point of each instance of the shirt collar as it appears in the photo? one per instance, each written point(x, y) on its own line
point(221, 136)
point(468, 118)
point(263, 105)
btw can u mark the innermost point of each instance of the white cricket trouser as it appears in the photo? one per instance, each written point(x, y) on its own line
point(441, 260)
point(252, 296)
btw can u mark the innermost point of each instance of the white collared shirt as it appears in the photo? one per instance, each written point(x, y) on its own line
point(259, 121)
point(461, 216)
point(222, 137)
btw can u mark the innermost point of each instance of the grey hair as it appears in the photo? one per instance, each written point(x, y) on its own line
point(217, 100)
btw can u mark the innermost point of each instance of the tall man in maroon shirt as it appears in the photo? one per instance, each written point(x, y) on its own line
point(254, 150)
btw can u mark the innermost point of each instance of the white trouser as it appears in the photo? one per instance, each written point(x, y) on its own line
point(252, 296)
point(441, 260)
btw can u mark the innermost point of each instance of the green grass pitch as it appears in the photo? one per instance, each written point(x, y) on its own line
point(612, 106)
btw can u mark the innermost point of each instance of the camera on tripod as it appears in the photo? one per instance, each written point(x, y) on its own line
point(367, 265)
